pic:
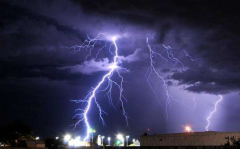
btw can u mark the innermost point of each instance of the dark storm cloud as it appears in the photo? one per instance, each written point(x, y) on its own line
point(208, 81)
point(33, 32)
point(32, 44)
point(37, 30)
point(208, 30)
point(32, 39)
point(219, 71)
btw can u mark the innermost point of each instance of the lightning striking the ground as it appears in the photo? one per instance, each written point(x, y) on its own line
point(113, 68)
point(91, 96)
point(215, 109)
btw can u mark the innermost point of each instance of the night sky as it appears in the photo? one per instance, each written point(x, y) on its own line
point(39, 77)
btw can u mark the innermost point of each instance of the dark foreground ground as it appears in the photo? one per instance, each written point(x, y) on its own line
point(140, 147)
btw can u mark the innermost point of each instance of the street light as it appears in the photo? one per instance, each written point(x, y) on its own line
point(121, 138)
point(102, 139)
point(37, 138)
point(67, 138)
point(134, 141)
point(92, 131)
point(57, 138)
point(127, 140)
point(188, 129)
point(109, 141)
point(99, 140)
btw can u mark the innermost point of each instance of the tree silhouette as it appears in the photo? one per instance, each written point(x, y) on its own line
point(15, 134)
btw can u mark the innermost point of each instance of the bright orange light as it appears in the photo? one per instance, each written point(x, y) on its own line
point(188, 129)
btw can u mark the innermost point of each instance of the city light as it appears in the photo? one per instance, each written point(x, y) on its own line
point(37, 138)
point(99, 140)
point(188, 129)
point(120, 140)
point(92, 131)
point(67, 138)
point(127, 140)
point(119, 136)
point(118, 143)
point(76, 142)
point(109, 141)
point(102, 139)
point(57, 138)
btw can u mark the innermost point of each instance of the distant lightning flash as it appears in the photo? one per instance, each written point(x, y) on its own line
point(91, 97)
point(215, 109)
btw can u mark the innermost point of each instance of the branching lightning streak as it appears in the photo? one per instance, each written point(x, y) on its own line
point(192, 59)
point(215, 109)
point(91, 96)
point(153, 70)
point(171, 56)
point(195, 103)
point(89, 45)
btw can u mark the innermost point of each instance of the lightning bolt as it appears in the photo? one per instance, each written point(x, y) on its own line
point(215, 109)
point(152, 69)
point(89, 45)
point(91, 96)
point(195, 103)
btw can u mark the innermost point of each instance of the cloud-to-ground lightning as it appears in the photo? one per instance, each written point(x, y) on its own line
point(215, 109)
point(113, 68)
point(152, 69)
point(91, 96)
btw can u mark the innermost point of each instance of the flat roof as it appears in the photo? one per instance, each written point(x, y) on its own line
point(192, 133)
